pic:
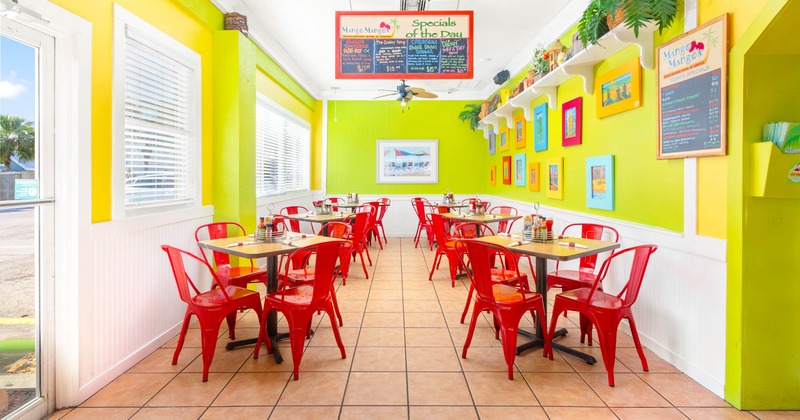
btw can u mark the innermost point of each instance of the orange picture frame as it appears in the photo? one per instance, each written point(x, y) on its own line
point(493, 175)
point(620, 89)
point(519, 131)
point(534, 176)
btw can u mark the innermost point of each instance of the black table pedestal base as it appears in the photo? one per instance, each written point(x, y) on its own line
point(537, 342)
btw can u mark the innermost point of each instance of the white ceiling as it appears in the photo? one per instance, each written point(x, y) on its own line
point(299, 35)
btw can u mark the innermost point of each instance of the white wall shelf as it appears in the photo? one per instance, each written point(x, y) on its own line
point(581, 64)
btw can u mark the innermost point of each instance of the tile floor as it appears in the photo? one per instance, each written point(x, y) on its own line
point(403, 341)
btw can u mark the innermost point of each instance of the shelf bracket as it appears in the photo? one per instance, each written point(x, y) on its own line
point(552, 95)
point(521, 103)
point(491, 121)
point(506, 111)
point(486, 129)
point(644, 42)
point(585, 72)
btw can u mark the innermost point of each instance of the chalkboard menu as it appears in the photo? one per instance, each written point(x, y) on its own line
point(693, 92)
point(399, 45)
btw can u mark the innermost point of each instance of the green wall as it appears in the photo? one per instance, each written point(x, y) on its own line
point(352, 146)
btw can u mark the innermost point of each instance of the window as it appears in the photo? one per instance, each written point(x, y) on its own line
point(157, 119)
point(282, 150)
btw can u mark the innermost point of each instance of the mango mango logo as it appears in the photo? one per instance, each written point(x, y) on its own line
point(794, 174)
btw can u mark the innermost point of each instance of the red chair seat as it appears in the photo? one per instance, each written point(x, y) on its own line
point(242, 274)
point(216, 297)
point(299, 295)
point(599, 300)
point(505, 294)
point(571, 279)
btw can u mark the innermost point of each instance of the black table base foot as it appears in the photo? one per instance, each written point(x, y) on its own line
point(537, 342)
point(276, 352)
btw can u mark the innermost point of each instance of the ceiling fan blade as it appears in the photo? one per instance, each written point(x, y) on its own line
point(425, 94)
point(383, 96)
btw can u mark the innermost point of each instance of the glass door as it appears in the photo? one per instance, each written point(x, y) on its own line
point(26, 217)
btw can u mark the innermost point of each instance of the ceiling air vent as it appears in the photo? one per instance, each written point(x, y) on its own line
point(413, 4)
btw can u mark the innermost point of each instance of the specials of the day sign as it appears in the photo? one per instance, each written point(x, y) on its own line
point(692, 86)
point(404, 45)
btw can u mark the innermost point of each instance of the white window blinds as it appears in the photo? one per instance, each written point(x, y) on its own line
point(161, 123)
point(282, 150)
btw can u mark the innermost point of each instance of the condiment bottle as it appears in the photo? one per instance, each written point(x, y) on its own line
point(268, 228)
point(261, 230)
point(527, 228)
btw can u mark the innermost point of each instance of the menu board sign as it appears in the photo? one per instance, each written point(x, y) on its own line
point(692, 88)
point(404, 45)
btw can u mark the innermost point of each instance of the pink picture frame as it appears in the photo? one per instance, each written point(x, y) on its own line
point(571, 122)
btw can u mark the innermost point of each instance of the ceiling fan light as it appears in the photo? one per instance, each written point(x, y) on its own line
point(403, 102)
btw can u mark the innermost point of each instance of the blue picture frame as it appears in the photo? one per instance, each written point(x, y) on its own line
point(492, 143)
point(520, 167)
point(540, 128)
point(600, 182)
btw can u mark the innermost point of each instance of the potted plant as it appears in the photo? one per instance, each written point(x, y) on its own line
point(602, 15)
point(540, 64)
point(470, 115)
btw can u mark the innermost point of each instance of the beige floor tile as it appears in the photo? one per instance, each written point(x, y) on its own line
point(381, 337)
point(572, 339)
point(442, 413)
point(777, 415)
point(352, 305)
point(385, 294)
point(630, 358)
point(324, 337)
point(348, 292)
point(420, 294)
point(160, 361)
point(437, 388)
point(253, 389)
point(129, 390)
point(188, 389)
point(667, 413)
point(482, 337)
point(453, 319)
point(484, 359)
point(355, 412)
point(237, 413)
point(425, 319)
point(418, 305)
point(454, 306)
point(59, 414)
point(326, 359)
point(511, 413)
point(388, 285)
point(90, 413)
point(729, 413)
point(494, 388)
point(379, 359)
point(562, 389)
point(534, 361)
point(315, 388)
point(428, 337)
point(412, 282)
point(382, 319)
point(583, 413)
point(432, 359)
point(599, 367)
point(169, 413)
point(266, 362)
point(350, 320)
point(356, 283)
point(682, 391)
point(628, 390)
point(305, 413)
point(193, 338)
point(224, 360)
point(384, 305)
point(376, 388)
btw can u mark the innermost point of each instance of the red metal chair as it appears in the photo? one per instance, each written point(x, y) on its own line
point(381, 212)
point(506, 303)
point(584, 276)
point(341, 230)
point(359, 223)
point(419, 204)
point(210, 307)
point(372, 227)
point(505, 225)
point(228, 275)
point(333, 201)
point(299, 303)
point(295, 224)
point(445, 245)
point(605, 310)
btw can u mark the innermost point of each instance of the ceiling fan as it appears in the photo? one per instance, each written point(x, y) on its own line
point(406, 93)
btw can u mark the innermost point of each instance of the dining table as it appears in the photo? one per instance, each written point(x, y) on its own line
point(312, 217)
point(354, 205)
point(558, 249)
point(246, 247)
point(481, 218)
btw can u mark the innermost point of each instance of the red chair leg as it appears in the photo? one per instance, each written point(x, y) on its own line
point(181, 337)
point(336, 306)
point(607, 333)
point(476, 310)
point(635, 336)
point(231, 321)
point(209, 331)
point(298, 320)
point(262, 332)
point(336, 334)
point(469, 300)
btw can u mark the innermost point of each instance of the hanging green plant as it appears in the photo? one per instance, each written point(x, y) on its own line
point(599, 15)
point(470, 115)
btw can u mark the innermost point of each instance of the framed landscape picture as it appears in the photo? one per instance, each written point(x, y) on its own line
point(507, 170)
point(619, 90)
point(600, 182)
point(502, 139)
point(519, 165)
point(555, 178)
point(534, 176)
point(492, 143)
point(493, 175)
point(571, 120)
point(407, 162)
point(519, 131)
point(540, 128)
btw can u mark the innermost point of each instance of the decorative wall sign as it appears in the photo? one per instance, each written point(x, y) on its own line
point(407, 162)
point(519, 131)
point(571, 121)
point(555, 178)
point(540, 127)
point(600, 182)
point(507, 170)
point(519, 173)
point(619, 90)
point(534, 176)
point(502, 140)
point(404, 45)
point(692, 84)
point(493, 175)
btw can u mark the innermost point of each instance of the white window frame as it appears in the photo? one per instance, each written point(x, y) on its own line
point(122, 20)
point(263, 199)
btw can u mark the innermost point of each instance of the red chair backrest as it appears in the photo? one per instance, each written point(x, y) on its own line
point(182, 279)
point(337, 229)
point(439, 229)
point(591, 231)
point(641, 257)
point(469, 230)
point(382, 209)
point(333, 201)
point(504, 226)
point(292, 210)
point(360, 224)
point(418, 203)
point(324, 266)
point(480, 258)
point(218, 230)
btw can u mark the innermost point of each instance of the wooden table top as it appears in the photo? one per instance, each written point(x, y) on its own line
point(486, 218)
point(354, 205)
point(552, 250)
point(318, 218)
point(245, 247)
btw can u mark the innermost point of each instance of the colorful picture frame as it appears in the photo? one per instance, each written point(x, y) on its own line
point(407, 162)
point(571, 122)
point(620, 89)
point(534, 176)
point(492, 143)
point(507, 170)
point(519, 131)
point(540, 127)
point(493, 175)
point(600, 182)
point(519, 174)
point(503, 143)
point(555, 178)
